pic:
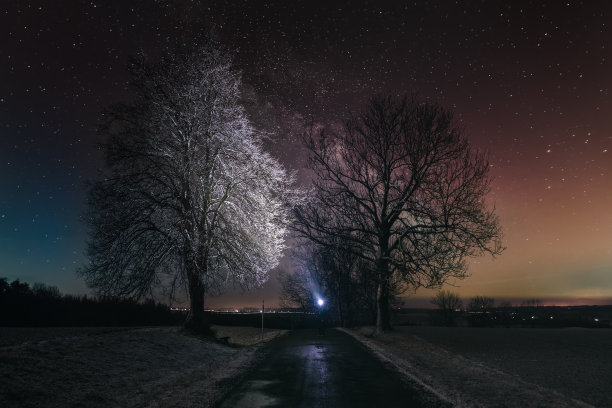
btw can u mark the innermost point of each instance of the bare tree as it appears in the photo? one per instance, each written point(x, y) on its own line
point(346, 278)
point(532, 303)
point(481, 304)
point(191, 201)
point(296, 290)
point(448, 302)
point(334, 273)
point(532, 308)
point(402, 185)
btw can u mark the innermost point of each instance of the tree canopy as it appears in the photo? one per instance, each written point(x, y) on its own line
point(190, 199)
point(401, 186)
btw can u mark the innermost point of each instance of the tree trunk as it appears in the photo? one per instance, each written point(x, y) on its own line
point(383, 320)
point(383, 317)
point(196, 319)
point(339, 300)
point(379, 324)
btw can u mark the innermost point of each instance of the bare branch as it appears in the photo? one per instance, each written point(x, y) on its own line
point(402, 187)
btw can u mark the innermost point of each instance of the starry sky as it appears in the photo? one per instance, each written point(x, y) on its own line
point(529, 81)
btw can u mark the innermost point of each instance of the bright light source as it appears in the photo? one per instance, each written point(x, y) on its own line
point(320, 302)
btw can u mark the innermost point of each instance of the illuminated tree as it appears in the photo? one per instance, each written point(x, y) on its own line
point(191, 201)
point(402, 185)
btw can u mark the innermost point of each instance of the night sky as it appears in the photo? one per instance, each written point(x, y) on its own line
point(530, 81)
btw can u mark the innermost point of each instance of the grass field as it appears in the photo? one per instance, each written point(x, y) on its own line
point(120, 367)
point(574, 361)
point(503, 367)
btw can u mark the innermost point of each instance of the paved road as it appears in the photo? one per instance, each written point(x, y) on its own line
point(305, 369)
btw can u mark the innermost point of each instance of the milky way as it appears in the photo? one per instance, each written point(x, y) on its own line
point(529, 82)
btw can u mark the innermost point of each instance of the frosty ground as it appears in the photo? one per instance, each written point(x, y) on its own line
point(491, 367)
point(161, 367)
point(104, 367)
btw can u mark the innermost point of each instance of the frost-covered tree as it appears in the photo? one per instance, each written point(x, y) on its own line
point(401, 186)
point(190, 199)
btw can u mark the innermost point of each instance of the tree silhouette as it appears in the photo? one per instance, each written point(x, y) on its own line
point(401, 184)
point(190, 201)
point(448, 302)
point(334, 273)
point(481, 304)
point(296, 290)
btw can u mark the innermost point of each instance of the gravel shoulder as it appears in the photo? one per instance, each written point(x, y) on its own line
point(467, 373)
point(112, 367)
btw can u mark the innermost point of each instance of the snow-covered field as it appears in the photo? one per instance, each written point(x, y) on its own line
point(126, 367)
point(490, 367)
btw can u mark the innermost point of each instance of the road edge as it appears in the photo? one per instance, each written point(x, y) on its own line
point(399, 365)
point(259, 353)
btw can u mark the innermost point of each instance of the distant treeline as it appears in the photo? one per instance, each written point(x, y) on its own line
point(43, 305)
point(482, 311)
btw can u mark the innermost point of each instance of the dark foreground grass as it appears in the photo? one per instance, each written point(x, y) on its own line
point(470, 367)
point(574, 361)
point(118, 367)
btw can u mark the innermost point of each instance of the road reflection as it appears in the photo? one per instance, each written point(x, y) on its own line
point(305, 369)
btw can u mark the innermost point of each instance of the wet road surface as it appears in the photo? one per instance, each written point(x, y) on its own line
point(306, 369)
